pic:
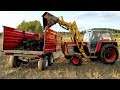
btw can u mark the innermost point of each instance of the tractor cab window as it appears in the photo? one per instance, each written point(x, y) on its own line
point(105, 36)
point(95, 36)
point(87, 36)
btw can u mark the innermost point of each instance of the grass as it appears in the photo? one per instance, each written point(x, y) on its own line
point(94, 70)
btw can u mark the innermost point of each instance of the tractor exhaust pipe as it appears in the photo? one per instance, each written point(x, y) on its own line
point(49, 19)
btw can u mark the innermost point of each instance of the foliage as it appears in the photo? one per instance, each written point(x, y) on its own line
point(109, 29)
point(0, 34)
point(33, 26)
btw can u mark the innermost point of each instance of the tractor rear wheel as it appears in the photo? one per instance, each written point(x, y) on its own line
point(75, 60)
point(109, 54)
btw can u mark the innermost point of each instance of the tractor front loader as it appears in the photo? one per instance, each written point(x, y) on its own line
point(78, 57)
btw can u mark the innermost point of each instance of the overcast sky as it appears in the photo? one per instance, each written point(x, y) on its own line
point(85, 19)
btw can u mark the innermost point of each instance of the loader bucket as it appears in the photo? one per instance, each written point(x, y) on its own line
point(49, 19)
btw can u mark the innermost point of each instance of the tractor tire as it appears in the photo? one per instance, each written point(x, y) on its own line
point(75, 60)
point(109, 54)
point(13, 61)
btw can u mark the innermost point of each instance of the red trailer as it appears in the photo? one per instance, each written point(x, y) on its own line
point(49, 43)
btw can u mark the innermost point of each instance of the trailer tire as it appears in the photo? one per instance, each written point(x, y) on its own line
point(13, 61)
point(45, 64)
point(40, 62)
point(109, 54)
point(51, 60)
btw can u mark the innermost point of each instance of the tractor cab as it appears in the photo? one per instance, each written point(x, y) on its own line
point(100, 45)
point(91, 37)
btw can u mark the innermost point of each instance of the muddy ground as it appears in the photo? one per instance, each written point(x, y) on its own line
point(94, 70)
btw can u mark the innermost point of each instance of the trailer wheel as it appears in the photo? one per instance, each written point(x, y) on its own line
point(51, 60)
point(109, 54)
point(75, 60)
point(42, 64)
point(14, 61)
point(45, 64)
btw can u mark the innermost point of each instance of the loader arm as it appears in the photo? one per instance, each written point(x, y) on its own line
point(49, 20)
point(72, 27)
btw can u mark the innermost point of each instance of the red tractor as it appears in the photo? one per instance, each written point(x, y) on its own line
point(99, 44)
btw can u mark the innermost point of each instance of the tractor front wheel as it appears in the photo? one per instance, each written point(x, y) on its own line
point(75, 60)
point(109, 54)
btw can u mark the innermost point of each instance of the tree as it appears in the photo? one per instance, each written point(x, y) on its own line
point(34, 26)
point(0, 34)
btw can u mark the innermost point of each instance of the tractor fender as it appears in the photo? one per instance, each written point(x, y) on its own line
point(100, 44)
